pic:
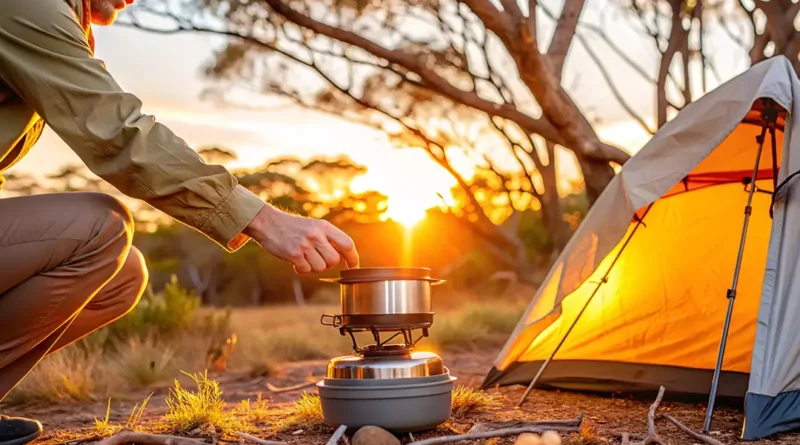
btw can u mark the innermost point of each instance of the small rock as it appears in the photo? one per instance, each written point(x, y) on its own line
point(372, 435)
point(195, 433)
point(528, 439)
point(297, 433)
point(551, 438)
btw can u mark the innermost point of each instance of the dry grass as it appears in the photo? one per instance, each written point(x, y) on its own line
point(67, 376)
point(467, 401)
point(103, 427)
point(306, 414)
point(255, 412)
point(267, 337)
point(588, 435)
point(476, 326)
point(187, 410)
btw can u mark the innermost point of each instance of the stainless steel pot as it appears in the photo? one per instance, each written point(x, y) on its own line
point(402, 366)
point(384, 297)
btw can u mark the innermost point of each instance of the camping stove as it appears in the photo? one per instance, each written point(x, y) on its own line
point(386, 382)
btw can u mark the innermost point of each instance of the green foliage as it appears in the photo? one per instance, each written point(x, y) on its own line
point(477, 326)
point(168, 312)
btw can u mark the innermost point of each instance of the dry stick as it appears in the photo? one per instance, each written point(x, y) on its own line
point(337, 435)
point(259, 441)
point(489, 426)
point(84, 440)
point(628, 435)
point(273, 388)
point(652, 436)
point(685, 429)
point(126, 436)
point(496, 433)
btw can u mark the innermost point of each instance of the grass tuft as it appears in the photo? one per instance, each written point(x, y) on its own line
point(103, 427)
point(187, 410)
point(468, 401)
point(306, 413)
point(588, 435)
point(66, 376)
point(256, 411)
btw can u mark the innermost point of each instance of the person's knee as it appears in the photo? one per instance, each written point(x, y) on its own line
point(135, 277)
point(112, 222)
point(131, 281)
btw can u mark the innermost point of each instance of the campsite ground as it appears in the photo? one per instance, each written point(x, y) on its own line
point(469, 339)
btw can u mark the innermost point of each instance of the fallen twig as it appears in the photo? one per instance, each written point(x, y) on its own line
point(652, 436)
point(685, 429)
point(259, 441)
point(337, 435)
point(630, 436)
point(274, 388)
point(496, 433)
point(127, 436)
point(492, 426)
point(83, 440)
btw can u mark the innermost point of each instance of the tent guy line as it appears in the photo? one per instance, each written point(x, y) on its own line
point(639, 223)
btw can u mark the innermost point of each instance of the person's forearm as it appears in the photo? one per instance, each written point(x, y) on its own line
point(44, 57)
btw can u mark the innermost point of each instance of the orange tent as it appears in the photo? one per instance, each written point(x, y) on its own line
point(638, 298)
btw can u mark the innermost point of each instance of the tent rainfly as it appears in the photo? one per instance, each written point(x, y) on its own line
point(682, 245)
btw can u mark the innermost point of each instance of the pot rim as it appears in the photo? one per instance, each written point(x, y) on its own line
point(373, 274)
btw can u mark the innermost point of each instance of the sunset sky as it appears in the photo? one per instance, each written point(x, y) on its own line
point(170, 82)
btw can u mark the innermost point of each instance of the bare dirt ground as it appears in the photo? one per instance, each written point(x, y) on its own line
point(608, 415)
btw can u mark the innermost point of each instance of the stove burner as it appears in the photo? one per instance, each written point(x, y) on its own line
point(387, 350)
point(383, 347)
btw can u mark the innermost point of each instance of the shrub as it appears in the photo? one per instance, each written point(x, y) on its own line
point(66, 376)
point(164, 314)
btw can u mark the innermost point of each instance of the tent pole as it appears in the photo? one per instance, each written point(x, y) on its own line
point(731, 294)
point(578, 317)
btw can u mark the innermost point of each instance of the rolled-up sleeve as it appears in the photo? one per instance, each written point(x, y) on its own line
point(45, 58)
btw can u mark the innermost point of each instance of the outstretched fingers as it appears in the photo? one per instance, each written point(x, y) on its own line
point(343, 244)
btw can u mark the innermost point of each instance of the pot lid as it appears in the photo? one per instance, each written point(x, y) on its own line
point(366, 274)
point(410, 365)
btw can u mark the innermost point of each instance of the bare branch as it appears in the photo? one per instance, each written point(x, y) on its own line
point(250, 438)
point(610, 82)
point(127, 436)
point(495, 433)
point(413, 63)
point(700, 437)
point(564, 33)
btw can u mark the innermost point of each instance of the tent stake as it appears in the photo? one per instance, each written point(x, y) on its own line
point(731, 294)
point(578, 317)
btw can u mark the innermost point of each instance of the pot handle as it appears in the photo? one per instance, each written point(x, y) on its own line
point(336, 320)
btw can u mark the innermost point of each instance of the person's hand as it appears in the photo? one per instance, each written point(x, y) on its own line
point(310, 245)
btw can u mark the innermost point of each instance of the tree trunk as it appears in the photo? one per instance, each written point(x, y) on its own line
point(552, 213)
point(596, 176)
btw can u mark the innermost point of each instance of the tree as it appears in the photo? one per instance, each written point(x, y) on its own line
point(472, 65)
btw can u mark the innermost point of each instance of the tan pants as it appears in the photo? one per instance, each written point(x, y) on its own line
point(67, 268)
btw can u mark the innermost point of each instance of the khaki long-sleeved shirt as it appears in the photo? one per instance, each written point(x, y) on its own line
point(48, 75)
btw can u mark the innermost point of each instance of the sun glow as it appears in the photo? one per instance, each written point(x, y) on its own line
point(406, 210)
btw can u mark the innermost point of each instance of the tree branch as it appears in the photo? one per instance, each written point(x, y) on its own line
point(564, 33)
point(413, 63)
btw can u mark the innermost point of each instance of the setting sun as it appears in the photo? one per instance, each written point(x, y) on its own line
point(406, 210)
